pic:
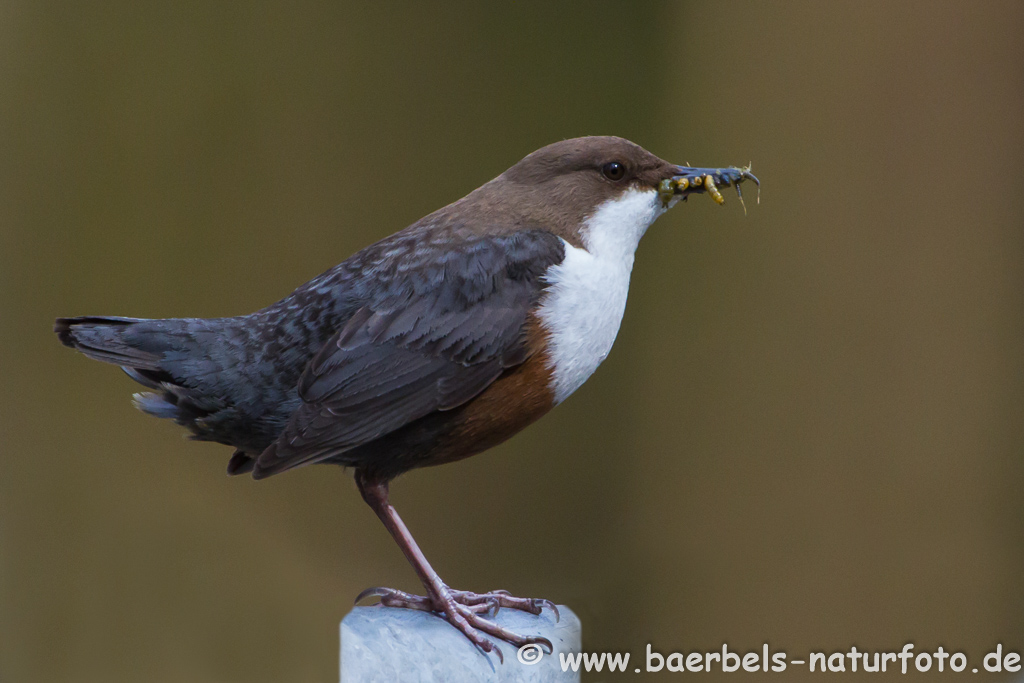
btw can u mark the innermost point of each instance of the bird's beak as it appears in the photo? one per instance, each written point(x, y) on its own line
point(689, 180)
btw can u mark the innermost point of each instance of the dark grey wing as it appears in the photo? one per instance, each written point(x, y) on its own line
point(439, 325)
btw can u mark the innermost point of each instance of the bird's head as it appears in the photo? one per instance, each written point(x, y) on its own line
point(576, 184)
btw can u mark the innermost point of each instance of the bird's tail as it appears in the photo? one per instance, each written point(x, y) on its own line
point(113, 340)
point(178, 358)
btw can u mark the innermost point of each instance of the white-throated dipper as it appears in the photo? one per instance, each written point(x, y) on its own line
point(430, 346)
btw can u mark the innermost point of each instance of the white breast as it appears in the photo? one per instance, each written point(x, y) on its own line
point(586, 295)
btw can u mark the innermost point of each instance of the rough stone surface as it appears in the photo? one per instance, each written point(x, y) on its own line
point(389, 645)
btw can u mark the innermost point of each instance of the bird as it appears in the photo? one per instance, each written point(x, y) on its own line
point(431, 345)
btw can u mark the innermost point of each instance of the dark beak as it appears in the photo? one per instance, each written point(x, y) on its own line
point(690, 180)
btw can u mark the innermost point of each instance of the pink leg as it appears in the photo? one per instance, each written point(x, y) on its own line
point(462, 609)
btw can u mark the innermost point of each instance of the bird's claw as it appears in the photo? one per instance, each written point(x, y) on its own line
point(465, 611)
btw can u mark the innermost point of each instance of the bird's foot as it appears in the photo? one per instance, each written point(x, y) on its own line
point(464, 610)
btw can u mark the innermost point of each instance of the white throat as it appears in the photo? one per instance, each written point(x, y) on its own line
point(587, 291)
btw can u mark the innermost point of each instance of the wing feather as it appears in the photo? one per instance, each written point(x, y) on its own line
point(438, 326)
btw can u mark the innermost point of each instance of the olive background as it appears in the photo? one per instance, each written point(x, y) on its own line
point(809, 432)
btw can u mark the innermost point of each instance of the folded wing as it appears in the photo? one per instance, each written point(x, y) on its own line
point(440, 323)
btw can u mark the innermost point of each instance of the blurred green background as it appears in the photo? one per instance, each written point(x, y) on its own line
point(810, 430)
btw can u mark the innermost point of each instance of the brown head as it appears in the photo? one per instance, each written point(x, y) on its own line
point(597, 167)
point(559, 186)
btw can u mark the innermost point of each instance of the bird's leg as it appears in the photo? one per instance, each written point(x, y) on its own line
point(462, 609)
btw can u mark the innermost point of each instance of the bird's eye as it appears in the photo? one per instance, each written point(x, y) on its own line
point(613, 170)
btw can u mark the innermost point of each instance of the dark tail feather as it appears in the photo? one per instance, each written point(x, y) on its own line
point(102, 339)
point(180, 359)
point(159, 354)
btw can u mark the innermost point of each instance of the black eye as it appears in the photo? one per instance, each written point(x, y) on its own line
point(613, 170)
